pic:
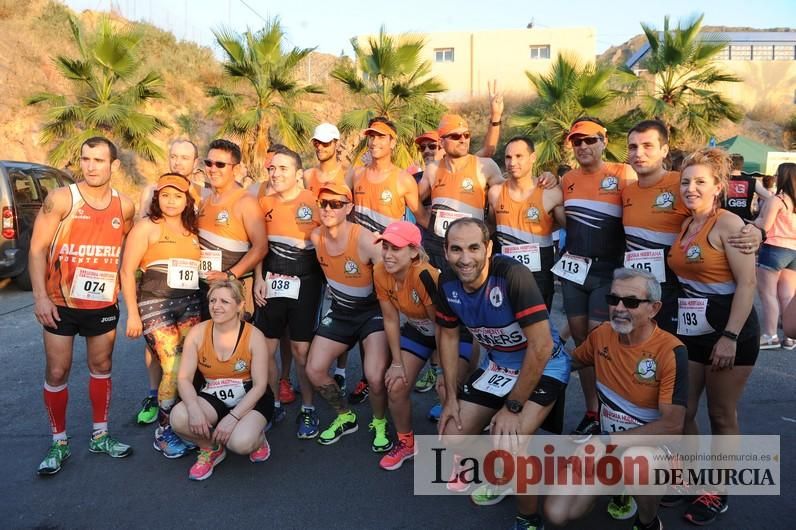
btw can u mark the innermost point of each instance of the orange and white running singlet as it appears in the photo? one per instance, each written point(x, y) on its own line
point(171, 264)
point(522, 222)
point(350, 280)
point(412, 298)
point(653, 216)
point(315, 185)
point(377, 204)
point(289, 225)
point(220, 230)
point(83, 263)
point(455, 194)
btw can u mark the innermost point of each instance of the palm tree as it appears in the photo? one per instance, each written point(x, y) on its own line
point(261, 104)
point(569, 91)
point(682, 90)
point(393, 81)
point(107, 99)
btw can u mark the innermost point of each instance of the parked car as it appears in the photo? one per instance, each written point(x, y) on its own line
point(23, 187)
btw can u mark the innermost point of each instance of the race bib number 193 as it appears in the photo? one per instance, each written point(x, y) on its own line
point(692, 317)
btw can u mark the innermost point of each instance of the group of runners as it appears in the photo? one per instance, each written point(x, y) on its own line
point(218, 278)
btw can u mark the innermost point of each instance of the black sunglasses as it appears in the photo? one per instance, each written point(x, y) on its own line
point(457, 136)
point(316, 143)
point(219, 165)
point(333, 204)
point(430, 147)
point(630, 303)
point(589, 140)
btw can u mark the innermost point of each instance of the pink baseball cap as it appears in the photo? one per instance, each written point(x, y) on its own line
point(401, 234)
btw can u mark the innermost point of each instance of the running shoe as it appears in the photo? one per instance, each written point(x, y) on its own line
point(705, 509)
point(457, 482)
point(789, 343)
point(638, 525)
point(149, 411)
point(489, 495)
point(343, 424)
point(426, 381)
point(279, 414)
point(308, 423)
point(205, 462)
point(286, 393)
point(261, 454)
point(101, 442)
point(56, 456)
point(588, 427)
point(435, 412)
point(675, 496)
point(622, 507)
point(360, 393)
point(769, 342)
point(340, 380)
point(399, 453)
point(381, 442)
point(168, 443)
point(524, 523)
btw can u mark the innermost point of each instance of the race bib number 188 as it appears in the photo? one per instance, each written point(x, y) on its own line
point(210, 260)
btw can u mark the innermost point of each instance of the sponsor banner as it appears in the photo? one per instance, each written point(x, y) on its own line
point(604, 465)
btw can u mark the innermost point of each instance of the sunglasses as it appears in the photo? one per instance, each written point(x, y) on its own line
point(429, 147)
point(219, 165)
point(316, 143)
point(589, 140)
point(333, 204)
point(457, 136)
point(630, 303)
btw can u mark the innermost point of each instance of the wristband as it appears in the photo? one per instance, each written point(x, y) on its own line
point(730, 335)
point(396, 365)
point(231, 414)
point(494, 123)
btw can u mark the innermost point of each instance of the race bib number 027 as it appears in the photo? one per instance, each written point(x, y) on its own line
point(496, 380)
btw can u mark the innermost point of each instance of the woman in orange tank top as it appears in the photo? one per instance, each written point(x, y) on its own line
point(716, 321)
point(235, 402)
point(776, 274)
point(166, 305)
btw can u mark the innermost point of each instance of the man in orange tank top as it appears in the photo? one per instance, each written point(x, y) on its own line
point(325, 141)
point(523, 213)
point(74, 262)
point(231, 225)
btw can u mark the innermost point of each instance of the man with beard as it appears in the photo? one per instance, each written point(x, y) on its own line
point(325, 140)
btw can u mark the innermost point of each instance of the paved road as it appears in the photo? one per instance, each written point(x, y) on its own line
point(303, 484)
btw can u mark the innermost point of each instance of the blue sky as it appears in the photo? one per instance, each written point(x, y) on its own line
point(330, 25)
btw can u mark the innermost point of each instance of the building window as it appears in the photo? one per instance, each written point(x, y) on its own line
point(785, 52)
point(762, 52)
point(443, 55)
point(741, 52)
point(540, 52)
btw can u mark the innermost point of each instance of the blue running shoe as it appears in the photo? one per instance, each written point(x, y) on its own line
point(308, 423)
point(168, 443)
point(435, 412)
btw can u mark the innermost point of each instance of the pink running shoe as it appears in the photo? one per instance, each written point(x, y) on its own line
point(205, 462)
point(261, 454)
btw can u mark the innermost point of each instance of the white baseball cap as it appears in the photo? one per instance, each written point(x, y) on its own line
point(326, 132)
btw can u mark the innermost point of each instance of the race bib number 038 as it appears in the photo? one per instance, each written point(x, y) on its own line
point(528, 255)
point(96, 286)
point(209, 260)
point(573, 268)
point(281, 286)
point(183, 274)
point(496, 380)
point(647, 260)
point(443, 220)
point(692, 317)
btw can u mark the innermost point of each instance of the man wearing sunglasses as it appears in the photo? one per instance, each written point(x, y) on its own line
point(231, 225)
point(642, 383)
point(457, 184)
point(325, 140)
point(347, 253)
point(595, 242)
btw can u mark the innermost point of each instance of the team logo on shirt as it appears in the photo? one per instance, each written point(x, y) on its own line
point(693, 254)
point(646, 369)
point(351, 268)
point(222, 218)
point(454, 298)
point(532, 214)
point(240, 366)
point(467, 185)
point(415, 297)
point(304, 213)
point(386, 197)
point(664, 201)
point(116, 223)
point(609, 183)
point(496, 297)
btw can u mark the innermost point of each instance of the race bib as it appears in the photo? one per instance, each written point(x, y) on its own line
point(209, 260)
point(573, 268)
point(528, 255)
point(183, 274)
point(443, 220)
point(496, 380)
point(692, 317)
point(230, 391)
point(426, 327)
point(647, 260)
point(612, 420)
point(96, 286)
point(281, 286)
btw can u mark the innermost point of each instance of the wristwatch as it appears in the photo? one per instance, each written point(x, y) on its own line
point(514, 406)
point(231, 275)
